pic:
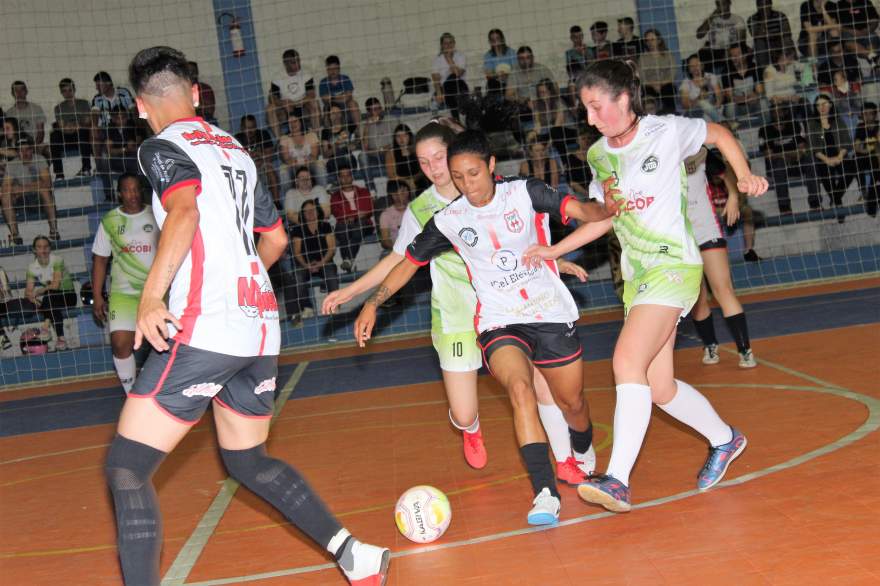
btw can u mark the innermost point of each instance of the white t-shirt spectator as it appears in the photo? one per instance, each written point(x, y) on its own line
point(29, 117)
point(441, 66)
point(724, 32)
point(292, 87)
point(390, 220)
point(692, 90)
point(294, 198)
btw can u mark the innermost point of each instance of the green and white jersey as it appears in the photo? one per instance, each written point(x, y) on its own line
point(653, 227)
point(131, 239)
point(42, 274)
point(453, 300)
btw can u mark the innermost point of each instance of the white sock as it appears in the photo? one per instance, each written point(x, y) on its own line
point(695, 410)
point(557, 431)
point(126, 370)
point(337, 540)
point(472, 428)
point(631, 417)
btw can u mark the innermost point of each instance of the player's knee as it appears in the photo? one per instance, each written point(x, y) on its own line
point(521, 393)
point(130, 465)
point(627, 370)
point(662, 391)
point(252, 466)
point(121, 348)
point(571, 404)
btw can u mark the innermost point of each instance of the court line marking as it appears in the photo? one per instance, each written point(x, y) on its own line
point(871, 424)
point(192, 549)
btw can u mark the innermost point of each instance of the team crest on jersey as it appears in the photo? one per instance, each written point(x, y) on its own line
point(148, 228)
point(650, 164)
point(469, 235)
point(514, 222)
point(505, 260)
point(256, 298)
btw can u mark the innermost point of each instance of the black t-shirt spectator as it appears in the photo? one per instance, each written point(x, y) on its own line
point(742, 82)
point(867, 135)
point(781, 140)
point(260, 140)
point(850, 67)
point(314, 245)
point(814, 17)
point(855, 14)
point(627, 49)
point(579, 171)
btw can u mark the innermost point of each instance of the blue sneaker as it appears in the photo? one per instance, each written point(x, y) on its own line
point(546, 509)
point(719, 459)
point(605, 490)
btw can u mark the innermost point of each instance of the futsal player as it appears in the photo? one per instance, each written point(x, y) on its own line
point(638, 163)
point(525, 316)
point(129, 235)
point(218, 339)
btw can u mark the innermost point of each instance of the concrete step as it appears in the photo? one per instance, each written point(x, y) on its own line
point(75, 227)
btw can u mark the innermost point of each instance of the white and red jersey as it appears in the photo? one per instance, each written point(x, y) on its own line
point(700, 200)
point(221, 292)
point(491, 240)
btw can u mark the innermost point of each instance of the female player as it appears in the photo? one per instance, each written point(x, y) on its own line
point(707, 174)
point(638, 163)
point(129, 234)
point(452, 316)
point(525, 316)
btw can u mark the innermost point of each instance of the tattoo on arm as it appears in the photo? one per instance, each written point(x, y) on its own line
point(379, 296)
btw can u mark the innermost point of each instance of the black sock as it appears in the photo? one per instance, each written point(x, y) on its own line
point(739, 330)
point(538, 465)
point(581, 440)
point(706, 330)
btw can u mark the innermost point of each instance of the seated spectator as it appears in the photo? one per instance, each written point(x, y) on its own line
point(314, 245)
point(830, 144)
point(786, 155)
point(523, 83)
point(577, 166)
point(742, 84)
point(49, 288)
point(628, 45)
point(258, 144)
point(498, 54)
point(73, 125)
point(770, 32)
point(392, 216)
point(118, 153)
point(9, 140)
point(207, 101)
point(352, 206)
point(337, 88)
point(103, 103)
point(859, 20)
point(299, 148)
point(13, 311)
point(30, 116)
point(867, 138)
point(339, 140)
point(552, 122)
point(838, 60)
point(721, 29)
point(27, 175)
point(602, 48)
point(250, 135)
point(401, 162)
point(576, 55)
point(305, 190)
point(448, 74)
point(657, 69)
point(700, 91)
point(292, 90)
point(781, 83)
point(817, 19)
point(847, 99)
point(539, 165)
point(377, 133)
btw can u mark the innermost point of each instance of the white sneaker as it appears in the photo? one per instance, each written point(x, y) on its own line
point(546, 509)
point(370, 566)
point(307, 312)
point(710, 354)
point(747, 359)
point(587, 461)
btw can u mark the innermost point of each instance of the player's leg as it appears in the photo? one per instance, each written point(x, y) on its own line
point(717, 270)
point(686, 404)
point(571, 466)
point(460, 359)
point(7, 198)
point(701, 315)
point(242, 414)
point(123, 317)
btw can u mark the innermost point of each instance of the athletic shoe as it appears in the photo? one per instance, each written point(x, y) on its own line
point(370, 565)
point(474, 449)
point(546, 509)
point(345, 266)
point(710, 354)
point(569, 472)
point(747, 359)
point(60, 344)
point(719, 459)
point(587, 461)
point(751, 256)
point(607, 491)
point(307, 312)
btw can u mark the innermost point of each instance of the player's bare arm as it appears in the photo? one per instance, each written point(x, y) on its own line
point(397, 278)
point(99, 275)
point(272, 245)
point(722, 138)
point(371, 279)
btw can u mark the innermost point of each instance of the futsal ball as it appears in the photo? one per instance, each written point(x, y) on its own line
point(422, 514)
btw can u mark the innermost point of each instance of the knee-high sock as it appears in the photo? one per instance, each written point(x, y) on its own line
point(695, 410)
point(706, 330)
point(739, 329)
point(126, 369)
point(631, 418)
point(539, 467)
point(557, 431)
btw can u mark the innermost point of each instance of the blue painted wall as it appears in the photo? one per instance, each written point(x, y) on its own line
point(241, 75)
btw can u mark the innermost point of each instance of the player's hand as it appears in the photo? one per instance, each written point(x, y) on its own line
point(731, 211)
point(152, 324)
point(536, 254)
point(334, 299)
point(99, 309)
point(753, 185)
point(612, 204)
point(363, 325)
point(570, 268)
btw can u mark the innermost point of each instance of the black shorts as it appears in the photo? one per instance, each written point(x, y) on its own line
point(714, 243)
point(547, 345)
point(184, 380)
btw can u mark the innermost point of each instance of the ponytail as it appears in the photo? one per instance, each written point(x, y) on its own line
point(616, 77)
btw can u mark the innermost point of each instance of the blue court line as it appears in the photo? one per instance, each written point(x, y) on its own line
point(419, 365)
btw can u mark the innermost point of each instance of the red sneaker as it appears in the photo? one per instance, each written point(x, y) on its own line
point(474, 450)
point(569, 472)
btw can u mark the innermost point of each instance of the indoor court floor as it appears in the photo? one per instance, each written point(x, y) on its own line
point(801, 506)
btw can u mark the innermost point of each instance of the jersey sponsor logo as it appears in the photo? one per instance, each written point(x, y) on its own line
point(162, 168)
point(469, 235)
point(199, 137)
point(505, 260)
point(256, 299)
point(202, 390)
point(514, 222)
point(643, 287)
point(650, 164)
point(655, 129)
point(137, 248)
point(148, 228)
point(516, 277)
point(265, 386)
point(674, 277)
point(638, 203)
